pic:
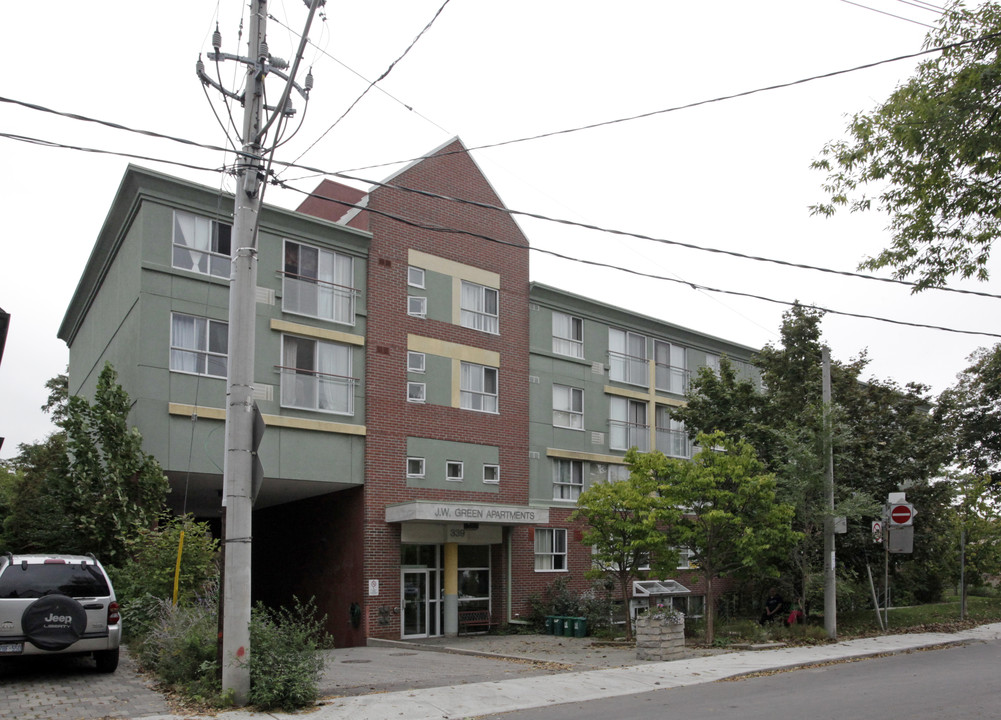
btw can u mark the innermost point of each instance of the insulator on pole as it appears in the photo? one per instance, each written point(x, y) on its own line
point(263, 51)
point(309, 80)
point(200, 67)
point(278, 62)
point(217, 38)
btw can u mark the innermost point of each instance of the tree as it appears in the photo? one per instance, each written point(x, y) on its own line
point(971, 409)
point(111, 488)
point(732, 522)
point(931, 154)
point(625, 522)
point(979, 517)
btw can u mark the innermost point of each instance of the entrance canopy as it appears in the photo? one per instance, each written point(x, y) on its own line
point(484, 513)
point(658, 588)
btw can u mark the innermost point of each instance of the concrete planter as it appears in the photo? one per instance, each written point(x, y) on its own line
point(660, 636)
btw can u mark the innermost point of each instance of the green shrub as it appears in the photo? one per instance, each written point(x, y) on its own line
point(285, 662)
point(594, 604)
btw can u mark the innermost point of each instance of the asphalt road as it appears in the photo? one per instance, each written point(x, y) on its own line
point(944, 683)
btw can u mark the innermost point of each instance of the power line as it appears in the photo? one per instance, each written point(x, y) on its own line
point(487, 206)
point(374, 82)
point(595, 263)
point(889, 14)
point(698, 103)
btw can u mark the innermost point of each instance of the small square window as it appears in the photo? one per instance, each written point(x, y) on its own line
point(453, 470)
point(491, 474)
point(417, 306)
point(416, 392)
point(415, 277)
point(415, 467)
point(415, 362)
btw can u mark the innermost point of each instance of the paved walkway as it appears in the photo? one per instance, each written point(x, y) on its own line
point(439, 678)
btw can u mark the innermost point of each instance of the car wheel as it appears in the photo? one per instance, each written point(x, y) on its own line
point(107, 660)
point(54, 622)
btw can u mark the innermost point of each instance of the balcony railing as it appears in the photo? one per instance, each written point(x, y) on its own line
point(318, 298)
point(628, 368)
point(672, 379)
point(674, 443)
point(624, 435)
point(311, 390)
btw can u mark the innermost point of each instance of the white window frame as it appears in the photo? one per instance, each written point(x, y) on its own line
point(415, 277)
point(568, 407)
point(568, 335)
point(201, 349)
point(624, 365)
point(550, 550)
point(672, 433)
point(623, 431)
point(417, 306)
point(304, 379)
point(685, 558)
point(496, 474)
point(200, 241)
point(568, 479)
point(474, 393)
point(451, 465)
point(325, 291)
point(712, 362)
point(416, 392)
point(670, 376)
point(617, 473)
point(415, 362)
point(416, 473)
point(474, 307)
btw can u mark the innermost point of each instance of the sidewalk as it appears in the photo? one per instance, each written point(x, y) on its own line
point(524, 681)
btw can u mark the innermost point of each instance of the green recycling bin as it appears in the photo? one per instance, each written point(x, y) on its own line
point(580, 627)
point(558, 625)
point(549, 624)
point(568, 626)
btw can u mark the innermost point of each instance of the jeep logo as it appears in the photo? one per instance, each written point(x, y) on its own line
point(65, 619)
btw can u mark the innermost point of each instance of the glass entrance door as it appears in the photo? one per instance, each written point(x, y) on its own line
point(415, 603)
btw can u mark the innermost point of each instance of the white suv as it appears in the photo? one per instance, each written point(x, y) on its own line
point(58, 604)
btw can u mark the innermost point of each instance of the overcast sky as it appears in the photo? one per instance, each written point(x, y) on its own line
point(732, 174)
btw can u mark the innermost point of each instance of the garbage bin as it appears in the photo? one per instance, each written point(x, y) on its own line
point(568, 626)
point(580, 627)
point(549, 624)
point(558, 625)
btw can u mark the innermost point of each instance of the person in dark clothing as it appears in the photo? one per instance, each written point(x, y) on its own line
point(773, 606)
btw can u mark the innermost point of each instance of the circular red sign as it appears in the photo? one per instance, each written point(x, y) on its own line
point(900, 514)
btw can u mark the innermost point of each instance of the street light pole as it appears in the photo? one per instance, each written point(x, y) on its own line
point(830, 579)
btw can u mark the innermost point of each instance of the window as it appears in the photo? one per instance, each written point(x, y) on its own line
point(491, 474)
point(712, 362)
point(479, 308)
point(627, 357)
point(568, 335)
point(415, 362)
point(478, 386)
point(672, 369)
point(316, 375)
point(318, 283)
point(416, 392)
point(627, 425)
point(685, 558)
point(417, 306)
point(568, 407)
point(550, 549)
point(453, 470)
point(415, 277)
point(201, 245)
point(672, 438)
point(415, 467)
point(616, 473)
point(568, 479)
point(198, 345)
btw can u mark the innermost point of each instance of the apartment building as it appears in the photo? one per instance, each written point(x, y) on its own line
point(432, 415)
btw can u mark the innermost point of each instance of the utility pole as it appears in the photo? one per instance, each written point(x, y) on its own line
point(830, 580)
point(241, 473)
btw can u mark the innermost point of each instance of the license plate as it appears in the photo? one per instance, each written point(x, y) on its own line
point(12, 648)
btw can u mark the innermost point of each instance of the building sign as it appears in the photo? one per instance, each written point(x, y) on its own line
point(486, 513)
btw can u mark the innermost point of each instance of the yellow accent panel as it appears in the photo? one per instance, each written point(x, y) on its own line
point(455, 269)
point(271, 420)
point(451, 569)
point(209, 413)
point(442, 348)
point(670, 401)
point(621, 392)
point(322, 333)
point(589, 457)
